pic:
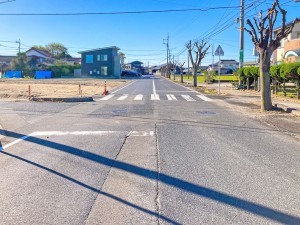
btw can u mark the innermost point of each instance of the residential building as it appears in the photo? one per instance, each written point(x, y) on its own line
point(289, 50)
point(6, 62)
point(136, 66)
point(72, 61)
point(250, 63)
point(101, 62)
point(122, 58)
point(39, 57)
point(227, 66)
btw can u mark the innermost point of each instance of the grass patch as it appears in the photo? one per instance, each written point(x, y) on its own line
point(290, 93)
point(200, 79)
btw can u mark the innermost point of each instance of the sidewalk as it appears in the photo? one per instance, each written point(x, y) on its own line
point(247, 97)
point(286, 104)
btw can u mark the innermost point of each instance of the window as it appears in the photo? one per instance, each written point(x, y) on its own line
point(103, 57)
point(89, 59)
point(98, 57)
point(104, 70)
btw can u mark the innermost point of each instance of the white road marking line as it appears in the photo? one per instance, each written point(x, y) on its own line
point(173, 97)
point(107, 97)
point(123, 97)
point(63, 133)
point(82, 133)
point(123, 87)
point(188, 98)
point(155, 97)
point(169, 98)
point(173, 91)
point(138, 98)
point(154, 90)
point(205, 98)
point(15, 142)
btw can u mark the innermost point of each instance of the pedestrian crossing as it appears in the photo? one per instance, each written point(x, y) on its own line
point(157, 97)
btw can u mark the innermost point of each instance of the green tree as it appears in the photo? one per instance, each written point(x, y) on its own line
point(248, 75)
point(289, 72)
point(277, 79)
point(241, 74)
point(21, 63)
point(57, 50)
point(254, 70)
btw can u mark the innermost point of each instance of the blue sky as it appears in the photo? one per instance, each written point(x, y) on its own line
point(139, 36)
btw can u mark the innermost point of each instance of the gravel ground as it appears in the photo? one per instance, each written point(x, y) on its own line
point(13, 90)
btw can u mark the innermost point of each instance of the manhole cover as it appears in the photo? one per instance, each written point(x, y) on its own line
point(206, 112)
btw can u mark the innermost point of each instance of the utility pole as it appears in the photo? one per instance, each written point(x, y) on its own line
point(168, 50)
point(213, 58)
point(189, 62)
point(19, 42)
point(174, 67)
point(242, 33)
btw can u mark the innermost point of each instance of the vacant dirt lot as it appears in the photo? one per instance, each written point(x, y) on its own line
point(18, 89)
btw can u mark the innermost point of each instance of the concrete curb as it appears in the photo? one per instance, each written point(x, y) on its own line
point(82, 99)
point(287, 109)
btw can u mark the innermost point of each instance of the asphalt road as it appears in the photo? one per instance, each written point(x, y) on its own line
point(152, 152)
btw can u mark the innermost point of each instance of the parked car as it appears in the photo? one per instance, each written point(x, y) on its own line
point(128, 73)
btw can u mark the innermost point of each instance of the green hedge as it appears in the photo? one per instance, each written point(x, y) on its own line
point(63, 69)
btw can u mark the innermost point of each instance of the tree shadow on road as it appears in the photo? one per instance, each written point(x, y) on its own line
point(186, 186)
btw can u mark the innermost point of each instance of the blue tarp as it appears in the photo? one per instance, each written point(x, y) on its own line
point(43, 74)
point(13, 74)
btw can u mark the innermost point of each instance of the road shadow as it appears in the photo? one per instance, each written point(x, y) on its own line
point(239, 203)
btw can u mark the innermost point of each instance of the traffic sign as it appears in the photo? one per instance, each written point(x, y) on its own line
point(219, 51)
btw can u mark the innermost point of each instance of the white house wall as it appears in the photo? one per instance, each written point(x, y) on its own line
point(35, 53)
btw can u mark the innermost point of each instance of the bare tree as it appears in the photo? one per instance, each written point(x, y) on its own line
point(196, 58)
point(266, 41)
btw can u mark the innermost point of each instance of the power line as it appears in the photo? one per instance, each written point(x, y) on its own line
point(118, 13)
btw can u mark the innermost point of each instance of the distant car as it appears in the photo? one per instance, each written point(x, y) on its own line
point(128, 73)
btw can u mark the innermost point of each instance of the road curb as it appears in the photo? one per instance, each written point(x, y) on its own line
point(181, 85)
point(82, 99)
point(287, 109)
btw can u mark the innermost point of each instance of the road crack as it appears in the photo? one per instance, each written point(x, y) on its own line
point(108, 173)
point(157, 199)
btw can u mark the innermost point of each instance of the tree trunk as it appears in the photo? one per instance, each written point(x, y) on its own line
point(266, 100)
point(248, 83)
point(195, 76)
point(274, 86)
point(181, 76)
point(298, 89)
point(283, 88)
point(255, 83)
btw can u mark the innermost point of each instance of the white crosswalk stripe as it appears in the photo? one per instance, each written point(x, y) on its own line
point(171, 97)
point(155, 97)
point(204, 98)
point(123, 97)
point(107, 97)
point(188, 98)
point(138, 98)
